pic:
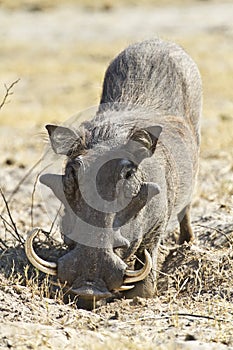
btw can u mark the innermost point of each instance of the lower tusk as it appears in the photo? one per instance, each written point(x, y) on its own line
point(39, 263)
point(122, 288)
point(139, 275)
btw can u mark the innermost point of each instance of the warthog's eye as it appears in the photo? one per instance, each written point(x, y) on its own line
point(129, 173)
point(128, 169)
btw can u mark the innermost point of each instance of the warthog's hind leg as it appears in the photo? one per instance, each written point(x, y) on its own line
point(186, 232)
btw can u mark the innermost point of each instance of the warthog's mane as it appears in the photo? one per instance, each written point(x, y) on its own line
point(114, 129)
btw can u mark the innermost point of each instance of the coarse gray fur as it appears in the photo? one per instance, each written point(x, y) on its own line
point(146, 134)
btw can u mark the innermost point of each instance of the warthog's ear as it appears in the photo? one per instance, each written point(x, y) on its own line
point(64, 140)
point(142, 142)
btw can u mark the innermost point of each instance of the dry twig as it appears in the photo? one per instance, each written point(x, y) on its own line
point(21, 182)
point(8, 92)
point(55, 219)
point(219, 231)
point(12, 223)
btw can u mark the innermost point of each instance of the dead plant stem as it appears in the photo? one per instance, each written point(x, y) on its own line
point(8, 92)
point(19, 238)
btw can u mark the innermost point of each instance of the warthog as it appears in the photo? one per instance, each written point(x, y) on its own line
point(129, 175)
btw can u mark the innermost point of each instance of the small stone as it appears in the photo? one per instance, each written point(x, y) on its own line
point(189, 337)
point(115, 316)
point(138, 301)
point(9, 161)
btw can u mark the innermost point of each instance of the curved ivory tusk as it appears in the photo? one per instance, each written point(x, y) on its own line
point(123, 288)
point(40, 264)
point(139, 275)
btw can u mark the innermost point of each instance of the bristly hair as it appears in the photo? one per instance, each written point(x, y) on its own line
point(44, 136)
point(91, 135)
point(140, 135)
point(109, 131)
point(132, 131)
point(80, 145)
point(102, 133)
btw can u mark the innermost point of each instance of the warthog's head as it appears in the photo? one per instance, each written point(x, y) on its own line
point(102, 190)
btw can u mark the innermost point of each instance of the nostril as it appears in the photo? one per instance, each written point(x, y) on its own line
point(89, 291)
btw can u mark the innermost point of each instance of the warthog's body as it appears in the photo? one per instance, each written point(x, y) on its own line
point(131, 170)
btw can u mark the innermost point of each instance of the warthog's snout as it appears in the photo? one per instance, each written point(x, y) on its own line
point(103, 273)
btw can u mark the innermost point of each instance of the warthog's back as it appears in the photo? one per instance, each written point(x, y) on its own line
point(160, 84)
point(159, 75)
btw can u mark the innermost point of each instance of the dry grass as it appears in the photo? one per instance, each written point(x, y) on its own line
point(43, 95)
point(58, 99)
point(58, 82)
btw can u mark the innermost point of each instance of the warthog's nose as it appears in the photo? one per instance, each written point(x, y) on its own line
point(89, 290)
